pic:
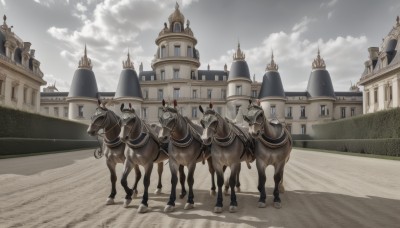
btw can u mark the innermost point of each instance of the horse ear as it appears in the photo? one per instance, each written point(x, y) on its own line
point(122, 107)
point(163, 102)
point(250, 101)
point(211, 105)
point(175, 103)
point(201, 109)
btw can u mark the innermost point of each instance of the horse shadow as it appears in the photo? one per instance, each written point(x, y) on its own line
point(299, 209)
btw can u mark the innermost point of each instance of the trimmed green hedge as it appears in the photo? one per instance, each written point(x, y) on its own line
point(379, 125)
point(27, 133)
point(17, 146)
point(19, 124)
point(389, 147)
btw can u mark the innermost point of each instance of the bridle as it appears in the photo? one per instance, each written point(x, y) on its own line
point(106, 117)
point(253, 120)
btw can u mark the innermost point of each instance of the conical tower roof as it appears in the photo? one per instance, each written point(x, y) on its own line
point(320, 83)
point(272, 83)
point(128, 85)
point(84, 81)
point(239, 68)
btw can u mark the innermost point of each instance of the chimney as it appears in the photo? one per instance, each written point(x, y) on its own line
point(373, 53)
point(32, 53)
point(208, 67)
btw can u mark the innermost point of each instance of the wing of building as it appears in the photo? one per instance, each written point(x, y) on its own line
point(175, 74)
point(381, 76)
point(20, 74)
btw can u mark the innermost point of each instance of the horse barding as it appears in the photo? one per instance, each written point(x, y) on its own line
point(185, 148)
point(142, 148)
point(112, 146)
point(273, 146)
point(230, 146)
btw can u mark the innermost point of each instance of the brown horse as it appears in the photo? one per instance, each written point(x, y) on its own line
point(185, 148)
point(273, 147)
point(113, 148)
point(230, 146)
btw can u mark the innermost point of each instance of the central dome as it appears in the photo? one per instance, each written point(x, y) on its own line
point(176, 16)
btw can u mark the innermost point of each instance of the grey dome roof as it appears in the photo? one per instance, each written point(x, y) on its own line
point(271, 85)
point(320, 84)
point(239, 69)
point(83, 84)
point(128, 85)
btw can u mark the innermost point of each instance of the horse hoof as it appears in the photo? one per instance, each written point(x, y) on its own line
point(277, 205)
point(232, 209)
point(143, 208)
point(217, 209)
point(109, 201)
point(189, 206)
point(135, 193)
point(238, 189)
point(168, 208)
point(261, 204)
point(212, 193)
point(127, 202)
point(157, 191)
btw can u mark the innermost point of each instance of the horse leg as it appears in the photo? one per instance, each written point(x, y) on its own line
point(127, 169)
point(262, 178)
point(281, 187)
point(226, 183)
point(113, 176)
point(232, 183)
point(237, 178)
point(277, 179)
point(160, 169)
point(174, 180)
point(138, 175)
point(212, 172)
point(190, 201)
point(146, 182)
point(182, 180)
point(220, 181)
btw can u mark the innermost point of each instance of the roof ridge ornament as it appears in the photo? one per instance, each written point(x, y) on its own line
point(319, 62)
point(4, 26)
point(176, 16)
point(272, 66)
point(85, 62)
point(239, 55)
point(128, 63)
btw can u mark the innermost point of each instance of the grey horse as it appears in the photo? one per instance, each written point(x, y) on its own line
point(230, 146)
point(273, 147)
point(113, 148)
point(185, 148)
point(143, 148)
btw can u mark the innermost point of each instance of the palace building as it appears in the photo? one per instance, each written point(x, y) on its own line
point(20, 74)
point(381, 77)
point(175, 74)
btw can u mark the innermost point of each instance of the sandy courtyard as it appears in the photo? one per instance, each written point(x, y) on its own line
point(322, 190)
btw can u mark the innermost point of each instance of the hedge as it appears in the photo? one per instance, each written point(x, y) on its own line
point(390, 147)
point(379, 125)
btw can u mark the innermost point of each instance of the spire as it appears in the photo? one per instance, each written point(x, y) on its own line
point(141, 67)
point(272, 66)
point(176, 6)
point(319, 62)
point(397, 20)
point(208, 67)
point(225, 68)
point(85, 62)
point(239, 55)
point(128, 64)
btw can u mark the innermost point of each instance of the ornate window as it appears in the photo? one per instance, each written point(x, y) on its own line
point(177, 27)
point(176, 73)
point(163, 52)
point(176, 93)
point(177, 50)
point(189, 51)
point(302, 111)
point(303, 129)
point(80, 111)
point(209, 93)
point(160, 94)
point(352, 111)
point(239, 90)
point(162, 75)
point(56, 111)
point(273, 111)
point(194, 112)
point(343, 112)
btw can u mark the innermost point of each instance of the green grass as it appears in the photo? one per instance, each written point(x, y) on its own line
point(351, 153)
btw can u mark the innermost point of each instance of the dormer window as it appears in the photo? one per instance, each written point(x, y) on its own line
point(177, 27)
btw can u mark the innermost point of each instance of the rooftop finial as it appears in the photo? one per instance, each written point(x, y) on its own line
point(319, 62)
point(272, 66)
point(85, 62)
point(239, 55)
point(128, 64)
point(4, 26)
point(176, 6)
point(397, 20)
point(5, 18)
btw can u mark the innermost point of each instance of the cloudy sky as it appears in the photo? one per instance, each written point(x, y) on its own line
point(343, 29)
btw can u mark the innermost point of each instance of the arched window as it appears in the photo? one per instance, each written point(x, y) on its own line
point(163, 52)
point(177, 27)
